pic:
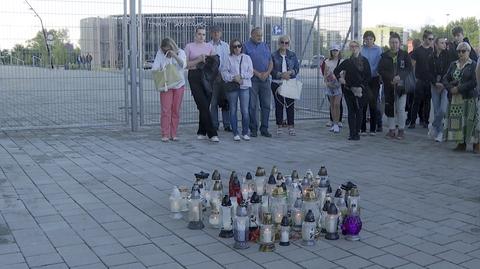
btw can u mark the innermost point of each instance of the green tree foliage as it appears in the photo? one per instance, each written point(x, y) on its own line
point(470, 25)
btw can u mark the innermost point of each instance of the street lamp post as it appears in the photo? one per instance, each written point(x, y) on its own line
point(44, 33)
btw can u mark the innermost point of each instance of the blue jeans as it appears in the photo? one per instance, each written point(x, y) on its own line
point(244, 96)
point(440, 104)
point(216, 95)
point(260, 93)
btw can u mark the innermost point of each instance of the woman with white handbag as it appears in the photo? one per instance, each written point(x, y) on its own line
point(285, 67)
point(172, 59)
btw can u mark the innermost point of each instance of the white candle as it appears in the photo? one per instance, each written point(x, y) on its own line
point(284, 236)
point(245, 194)
point(174, 205)
point(267, 235)
point(214, 219)
point(298, 219)
point(226, 220)
point(278, 217)
point(195, 213)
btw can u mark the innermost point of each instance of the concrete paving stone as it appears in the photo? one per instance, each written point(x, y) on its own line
point(173, 265)
point(367, 252)
point(352, 262)
point(77, 255)
point(105, 250)
point(202, 239)
point(205, 265)
point(11, 258)
point(409, 240)
point(378, 241)
point(215, 248)
point(462, 247)
point(167, 240)
point(452, 223)
point(8, 248)
point(472, 264)
point(118, 259)
point(399, 250)
point(410, 266)
point(185, 248)
point(439, 239)
point(116, 225)
point(263, 257)
point(191, 258)
point(444, 265)
point(446, 230)
point(281, 264)
point(228, 257)
point(45, 259)
point(389, 261)
point(53, 266)
point(49, 219)
point(421, 258)
point(129, 266)
point(454, 256)
point(431, 248)
point(15, 266)
point(332, 253)
point(244, 264)
point(298, 255)
point(91, 266)
point(375, 266)
point(36, 248)
point(316, 263)
point(344, 244)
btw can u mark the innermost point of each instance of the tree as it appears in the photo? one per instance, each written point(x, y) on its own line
point(59, 49)
point(470, 27)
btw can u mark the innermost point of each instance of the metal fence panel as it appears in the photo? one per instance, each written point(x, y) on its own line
point(78, 93)
point(73, 93)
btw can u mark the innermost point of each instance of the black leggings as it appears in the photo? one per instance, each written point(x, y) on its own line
point(279, 105)
point(355, 108)
point(202, 99)
point(371, 99)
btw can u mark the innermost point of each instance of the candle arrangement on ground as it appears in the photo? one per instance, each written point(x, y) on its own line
point(268, 210)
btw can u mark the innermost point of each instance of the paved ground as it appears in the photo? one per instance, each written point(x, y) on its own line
point(97, 198)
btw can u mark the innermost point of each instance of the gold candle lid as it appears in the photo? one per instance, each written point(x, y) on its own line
point(278, 192)
point(309, 195)
point(260, 172)
point(267, 218)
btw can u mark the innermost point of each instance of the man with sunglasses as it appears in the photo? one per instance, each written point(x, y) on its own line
point(260, 92)
point(421, 59)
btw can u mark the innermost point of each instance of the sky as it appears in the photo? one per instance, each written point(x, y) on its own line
point(18, 23)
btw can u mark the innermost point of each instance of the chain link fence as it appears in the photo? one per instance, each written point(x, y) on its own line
point(64, 63)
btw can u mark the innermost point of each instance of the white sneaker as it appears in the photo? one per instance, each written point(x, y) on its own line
point(329, 124)
point(236, 138)
point(340, 124)
point(331, 128)
point(214, 139)
point(201, 137)
point(246, 137)
point(439, 137)
point(431, 133)
point(336, 129)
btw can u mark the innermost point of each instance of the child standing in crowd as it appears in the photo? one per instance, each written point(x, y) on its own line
point(334, 89)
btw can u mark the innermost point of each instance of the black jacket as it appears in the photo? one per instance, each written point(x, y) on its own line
point(468, 82)
point(209, 72)
point(353, 76)
point(439, 65)
point(388, 70)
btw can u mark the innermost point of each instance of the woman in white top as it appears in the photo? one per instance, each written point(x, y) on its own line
point(334, 89)
point(171, 100)
point(238, 68)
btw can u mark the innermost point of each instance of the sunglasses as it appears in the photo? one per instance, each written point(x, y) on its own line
point(461, 51)
point(239, 46)
point(430, 38)
point(284, 42)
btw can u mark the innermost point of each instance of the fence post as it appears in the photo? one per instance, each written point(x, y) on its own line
point(133, 66)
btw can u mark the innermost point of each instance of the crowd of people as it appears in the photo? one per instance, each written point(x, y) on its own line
point(436, 83)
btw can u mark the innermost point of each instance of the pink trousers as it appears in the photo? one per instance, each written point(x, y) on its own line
point(170, 102)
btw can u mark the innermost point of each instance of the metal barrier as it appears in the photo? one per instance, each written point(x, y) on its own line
point(88, 47)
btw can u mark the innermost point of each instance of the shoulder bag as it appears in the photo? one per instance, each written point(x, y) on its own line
point(166, 78)
point(233, 85)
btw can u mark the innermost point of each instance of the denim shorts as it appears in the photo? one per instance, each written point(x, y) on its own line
point(333, 92)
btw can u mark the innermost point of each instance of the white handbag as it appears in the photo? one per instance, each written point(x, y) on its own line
point(291, 88)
